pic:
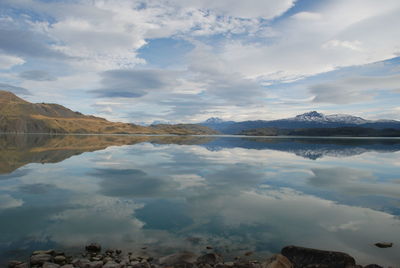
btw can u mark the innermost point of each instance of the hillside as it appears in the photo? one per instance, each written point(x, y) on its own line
point(20, 116)
point(326, 132)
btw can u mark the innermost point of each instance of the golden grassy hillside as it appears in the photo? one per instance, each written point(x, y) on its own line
point(20, 116)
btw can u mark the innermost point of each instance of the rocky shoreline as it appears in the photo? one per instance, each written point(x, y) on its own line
point(94, 257)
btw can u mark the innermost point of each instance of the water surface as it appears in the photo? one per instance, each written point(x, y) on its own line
point(172, 193)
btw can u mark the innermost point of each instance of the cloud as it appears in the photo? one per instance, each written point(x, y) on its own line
point(8, 61)
point(348, 33)
point(37, 75)
point(267, 9)
point(23, 43)
point(14, 89)
point(354, 89)
point(134, 83)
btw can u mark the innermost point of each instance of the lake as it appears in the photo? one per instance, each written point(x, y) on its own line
point(171, 193)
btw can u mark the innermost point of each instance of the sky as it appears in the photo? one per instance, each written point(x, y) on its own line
point(188, 60)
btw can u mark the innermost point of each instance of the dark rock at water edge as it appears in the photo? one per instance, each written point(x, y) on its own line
point(308, 257)
point(384, 245)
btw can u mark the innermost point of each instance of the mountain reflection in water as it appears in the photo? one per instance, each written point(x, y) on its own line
point(170, 193)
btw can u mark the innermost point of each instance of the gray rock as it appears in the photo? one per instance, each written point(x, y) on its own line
point(93, 247)
point(277, 261)
point(95, 264)
point(60, 259)
point(178, 258)
point(384, 245)
point(12, 264)
point(50, 265)
point(143, 264)
point(107, 259)
point(23, 265)
point(49, 251)
point(373, 266)
point(112, 264)
point(39, 259)
point(302, 257)
point(67, 266)
point(209, 258)
point(81, 263)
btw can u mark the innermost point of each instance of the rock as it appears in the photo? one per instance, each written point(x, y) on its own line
point(209, 258)
point(277, 261)
point(94, 264)
point(373, 266)
point(112, 264)
point(50, 265)
point(93, 247)
point(12, 264)
point(67, 266)
point(23, 265)
point(49, 251)
point(107, 259)
point(384, 245)
point(178, 259)
point(143, 264)
point(60, 259)
point(248, 253)
point(39, 259)
point(81, 263)
point(246, 264)
point(118, 251)
point(302, 257)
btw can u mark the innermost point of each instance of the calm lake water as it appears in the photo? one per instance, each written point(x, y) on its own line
point(174, 193)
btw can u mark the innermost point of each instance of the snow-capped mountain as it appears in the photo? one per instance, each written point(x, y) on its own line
point(311, 119)
point(214, 120)
point(314, 116)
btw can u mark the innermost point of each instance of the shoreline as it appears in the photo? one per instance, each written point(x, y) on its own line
point(94, 256)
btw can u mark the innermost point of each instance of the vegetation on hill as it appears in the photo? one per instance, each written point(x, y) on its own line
point(337, 132)
point(20, 116)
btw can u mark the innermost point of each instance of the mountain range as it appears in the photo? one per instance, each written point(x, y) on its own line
point(310, 120)
point(20, 116)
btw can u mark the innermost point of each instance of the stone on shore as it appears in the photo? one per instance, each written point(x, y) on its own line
point(23, 265)
point(12, 264)
point(178, 259)
point(93, 247)
point(373, 266)
point(210, 258)
point(40, 259)
point(112, 264)
point(277, 261)
point(50, 265)
point(384, 245)
point(49, 252)
point(67, 266)
point(302, 257)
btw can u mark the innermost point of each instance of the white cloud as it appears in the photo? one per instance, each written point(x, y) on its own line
point(307, 16)
point(8, 61)
point(350, 33)
point(354, 89)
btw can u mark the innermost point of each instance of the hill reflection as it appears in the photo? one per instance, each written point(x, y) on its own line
point(19, 150)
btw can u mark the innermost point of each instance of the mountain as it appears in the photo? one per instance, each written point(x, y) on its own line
point(20, 116)
point(311, 119)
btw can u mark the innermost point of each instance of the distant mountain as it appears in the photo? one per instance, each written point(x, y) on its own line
point(20, 116)
point(311, 119)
